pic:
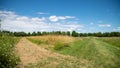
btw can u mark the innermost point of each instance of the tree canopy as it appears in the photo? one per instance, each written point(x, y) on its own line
point(67, 33)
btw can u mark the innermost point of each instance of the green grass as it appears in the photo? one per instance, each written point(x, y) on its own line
point(37, 41)
point(111, 40)
point(98, 52)
point(8, 59)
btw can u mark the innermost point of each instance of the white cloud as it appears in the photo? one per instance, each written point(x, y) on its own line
point(38, 19)
point(14, 22)
point(61, 17)
point(104, 25)
point(53, 18)
point(42, 13)
point(69, 17)
point(57, 18)
point(21, 18)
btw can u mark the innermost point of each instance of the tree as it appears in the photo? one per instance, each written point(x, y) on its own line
point(63, 33)
point(74, 34)
point(39, 33)
point(68, 33)
point(44, 33)
point(28, 34)
point(99, 34)
point(58, 32)
point(34, 33)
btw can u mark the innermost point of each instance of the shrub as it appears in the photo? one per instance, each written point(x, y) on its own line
point(8, 59)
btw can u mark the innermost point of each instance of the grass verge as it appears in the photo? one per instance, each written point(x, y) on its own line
point(8, 59)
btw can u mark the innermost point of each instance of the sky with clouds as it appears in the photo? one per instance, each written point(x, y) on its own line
point(60, 15)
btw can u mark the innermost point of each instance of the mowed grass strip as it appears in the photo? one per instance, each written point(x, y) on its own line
point(99, 54)
point(115, 41)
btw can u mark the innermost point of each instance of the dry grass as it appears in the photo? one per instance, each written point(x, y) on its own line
point(52, 39)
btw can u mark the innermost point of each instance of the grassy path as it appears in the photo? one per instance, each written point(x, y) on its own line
point(33, 56)
point(98, 53)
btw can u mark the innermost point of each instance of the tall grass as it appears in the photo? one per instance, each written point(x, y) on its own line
point(50, 41)
point(8, 59)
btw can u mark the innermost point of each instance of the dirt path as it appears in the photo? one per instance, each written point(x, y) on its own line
point(31, 53)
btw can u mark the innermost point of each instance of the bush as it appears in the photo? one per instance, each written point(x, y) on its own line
point(8, 59)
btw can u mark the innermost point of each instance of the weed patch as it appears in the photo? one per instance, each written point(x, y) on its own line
point(8, 59)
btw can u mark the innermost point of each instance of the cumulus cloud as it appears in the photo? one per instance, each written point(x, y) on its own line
point(104, 25)
point(57, 18)
point(13, 22)
point(53, 18)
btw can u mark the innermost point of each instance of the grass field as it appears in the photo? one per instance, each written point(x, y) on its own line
point(111, 40)
point(60, 52)
point(94, 52)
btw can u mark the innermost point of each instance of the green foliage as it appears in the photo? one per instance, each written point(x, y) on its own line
point(68, 33)
point(34, 34)
point(20, 34)
point(8, 59)
point(74, 34)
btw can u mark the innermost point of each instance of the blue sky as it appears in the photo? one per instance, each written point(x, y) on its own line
point(63, 15)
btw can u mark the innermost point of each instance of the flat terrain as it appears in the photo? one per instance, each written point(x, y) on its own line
point(81, 53)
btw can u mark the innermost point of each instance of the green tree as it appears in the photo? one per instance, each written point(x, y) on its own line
point(39, 33)
point(63, 33)
point(74, 34)
point(34, 33)
point(68, 33)
point(28, 34)
point(99, 34)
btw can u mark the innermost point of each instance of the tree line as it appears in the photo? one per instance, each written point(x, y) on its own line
point(67, 33)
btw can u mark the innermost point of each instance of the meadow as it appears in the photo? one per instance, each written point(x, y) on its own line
point(89, 52)
point(57, 51)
